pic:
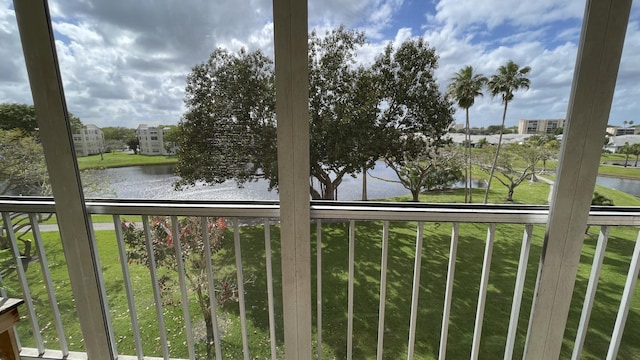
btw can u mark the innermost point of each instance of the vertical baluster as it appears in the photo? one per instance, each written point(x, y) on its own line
point(272, 321)
point(183, 286)
point(319, 284)
point(449, 291)
point(590, 295)
point(26, 293)
point(243, 313)
point(517, 292)
point(383, 288)
point(416, 291)
point(124, 264)
point(212, 292)
point(103, 289)
point(482, 296)
point(352, 236)
point(625, 302)
point(156, 288)
point(53, 302)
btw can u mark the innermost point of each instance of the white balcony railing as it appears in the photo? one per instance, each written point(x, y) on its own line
point(466, 221)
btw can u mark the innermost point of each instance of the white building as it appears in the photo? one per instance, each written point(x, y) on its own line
point(539, 126)
point(152, 140)
point(616, 142)
point(89, 140)
point(619, 131)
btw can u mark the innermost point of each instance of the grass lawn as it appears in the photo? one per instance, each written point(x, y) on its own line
point(366, 284)
point(122, 159)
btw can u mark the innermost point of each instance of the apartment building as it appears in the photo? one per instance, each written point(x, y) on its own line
point(88, 140)
point(539, 126)
point(152, 140)
point(620, 131)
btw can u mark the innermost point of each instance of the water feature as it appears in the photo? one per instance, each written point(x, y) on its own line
point(630, 186)
point(156, 182)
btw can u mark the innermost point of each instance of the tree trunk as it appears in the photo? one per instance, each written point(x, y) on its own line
point(495, 159)
point(209, 325)
point(415, 193)
point(510, 193)
point(467, 170)
point(364, 183)
point(636, 164)
point(626, 159)
point(533, 174)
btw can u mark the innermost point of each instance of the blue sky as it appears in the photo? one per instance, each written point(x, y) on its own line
point(124, 63)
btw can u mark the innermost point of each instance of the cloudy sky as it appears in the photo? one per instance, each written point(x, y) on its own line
point(124, 62)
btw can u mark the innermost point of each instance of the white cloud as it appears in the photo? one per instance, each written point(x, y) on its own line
point(125, 63)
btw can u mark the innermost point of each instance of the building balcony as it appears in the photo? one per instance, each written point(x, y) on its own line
point(389, 280)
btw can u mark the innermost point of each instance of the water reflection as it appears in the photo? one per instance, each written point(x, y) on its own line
point(156, 182)
point(630, 186)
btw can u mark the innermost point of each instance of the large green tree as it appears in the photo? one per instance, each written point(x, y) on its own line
point(228, 131)
point(23, 117)
point(508, 79)
point(465, 86)
point(343, 107)
point(416, 114)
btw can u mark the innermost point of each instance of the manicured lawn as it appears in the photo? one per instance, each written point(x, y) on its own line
point(335, 251)
point(122, 159)
point(366, 298)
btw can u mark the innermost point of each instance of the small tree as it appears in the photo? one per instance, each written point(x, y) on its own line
point(192, 243)
point(434, 168)
point(511, 177)
point(133, 144)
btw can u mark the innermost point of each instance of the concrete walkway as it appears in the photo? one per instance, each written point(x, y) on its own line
point(96, 226)
point(550, 182)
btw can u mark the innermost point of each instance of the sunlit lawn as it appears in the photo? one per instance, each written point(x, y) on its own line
point(367, 285)
point(122, 159)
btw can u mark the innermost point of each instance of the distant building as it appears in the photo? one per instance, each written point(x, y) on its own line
point(152, 140)
point(540, 126)
point(89, 140)
point(478, 140)
point(616, 142)
point(619, 131)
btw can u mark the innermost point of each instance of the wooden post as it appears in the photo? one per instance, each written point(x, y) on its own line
point(8, 317)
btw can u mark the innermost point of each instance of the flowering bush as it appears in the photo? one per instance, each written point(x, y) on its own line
point(192, 240)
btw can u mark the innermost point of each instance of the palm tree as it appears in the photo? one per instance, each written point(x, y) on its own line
point(635, 150)
point(509, 78)
point(627, 150)
point(463, 89)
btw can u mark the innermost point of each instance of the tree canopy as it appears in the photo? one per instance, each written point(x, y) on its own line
point(23, 117)
point(358, 114)
point(22, 165)
point(228, 131)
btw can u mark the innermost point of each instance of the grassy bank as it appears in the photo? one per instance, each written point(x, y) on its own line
point(366, 298)
point(122, 159)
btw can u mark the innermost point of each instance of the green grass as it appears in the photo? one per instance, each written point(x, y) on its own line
point(366, 284)
point(121, 159)
point(366, 297)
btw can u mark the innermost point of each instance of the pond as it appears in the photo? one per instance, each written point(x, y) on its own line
point(156, 182)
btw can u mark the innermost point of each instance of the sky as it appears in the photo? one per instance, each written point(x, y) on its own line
point(125, 62)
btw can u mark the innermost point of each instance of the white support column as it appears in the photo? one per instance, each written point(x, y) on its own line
point(292, 113)
point(601, 43)
point(38, 45)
